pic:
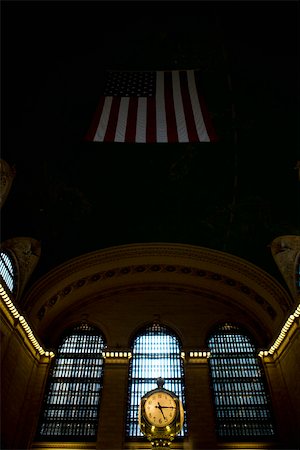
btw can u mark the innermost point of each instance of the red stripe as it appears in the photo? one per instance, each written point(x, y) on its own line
point(151, 120)
point(113, 120)
point(95, 122)
point(170, 110)
point(207, 120)
point(131, 120)
point(187, 106)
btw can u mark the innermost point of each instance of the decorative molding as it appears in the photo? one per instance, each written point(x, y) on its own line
point(26, 252)
point(158, 268)
point(135, 259)
point(286, 252)
point(7, 175)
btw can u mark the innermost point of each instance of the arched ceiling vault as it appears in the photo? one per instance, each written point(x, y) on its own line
point(177, 269)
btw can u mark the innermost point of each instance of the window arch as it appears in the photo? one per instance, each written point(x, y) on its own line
point(71, 403)
point(156, 352)
point(7, 271)
point(241, 403)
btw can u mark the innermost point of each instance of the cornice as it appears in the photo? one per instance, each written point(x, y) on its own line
point(135, 263)
point(189, 272)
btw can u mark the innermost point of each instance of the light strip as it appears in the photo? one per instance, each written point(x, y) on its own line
point(196, 354)
point(117, 354)
point(282, 334)
point(199, 354)
point(16, 315)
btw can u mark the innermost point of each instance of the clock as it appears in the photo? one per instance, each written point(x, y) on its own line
point(161, 415)
point(160, 409)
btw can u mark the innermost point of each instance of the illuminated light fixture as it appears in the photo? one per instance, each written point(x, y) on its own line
point(113, 354)
point(152, 428)
point(282, 334)
point(182, 354)
point(14, 312)
point(199, 354)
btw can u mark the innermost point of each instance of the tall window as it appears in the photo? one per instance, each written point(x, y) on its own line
point(7, 271)
point(241, 403)
point(72, 399)
point(155, 353)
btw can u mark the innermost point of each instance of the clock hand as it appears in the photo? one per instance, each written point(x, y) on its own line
point(160, 408)
point(170, 407)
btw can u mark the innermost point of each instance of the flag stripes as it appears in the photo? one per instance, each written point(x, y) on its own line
point(170, 109)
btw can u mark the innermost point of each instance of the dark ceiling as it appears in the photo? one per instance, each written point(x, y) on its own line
point(235, 195)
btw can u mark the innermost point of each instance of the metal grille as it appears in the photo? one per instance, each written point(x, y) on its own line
point(72, 399)
point(7, 271)
point(241, 403)
point(155, 353)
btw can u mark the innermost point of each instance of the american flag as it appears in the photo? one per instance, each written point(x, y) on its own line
point(151, 106)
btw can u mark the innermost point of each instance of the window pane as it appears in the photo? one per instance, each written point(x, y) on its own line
point(7, 271)
point(241, 404)
point(72, 400)
point(155, 353)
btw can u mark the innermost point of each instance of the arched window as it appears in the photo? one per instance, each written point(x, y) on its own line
point(241, 403)
point(72, 399)
point(7, 271)
point(155, 353)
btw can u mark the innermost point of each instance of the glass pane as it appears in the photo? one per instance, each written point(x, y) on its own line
point(72, 399)
point(155, 353)
point(7, 271)
point(241, 404)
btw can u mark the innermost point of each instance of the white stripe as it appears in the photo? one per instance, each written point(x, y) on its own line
point(179, 111)
point(102, 126)
point(141, 120)
point(200, 125)
point(122, 120)
point(161, 121)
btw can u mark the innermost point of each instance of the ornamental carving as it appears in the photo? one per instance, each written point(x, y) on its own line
point(286, 253)
point(7, 175)
point(27, 252)
point(121, 271)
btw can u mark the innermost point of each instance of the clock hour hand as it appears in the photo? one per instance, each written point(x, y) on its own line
point(170, 407)
point(160, 408)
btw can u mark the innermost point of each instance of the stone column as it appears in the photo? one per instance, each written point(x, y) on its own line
point(199, 404)
point(282, 372)
point(112, 417)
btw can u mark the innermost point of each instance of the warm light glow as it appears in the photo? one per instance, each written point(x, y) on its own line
point(113, 354)
point(13, 310)
point(282, 334)
point(199, 354)
point(152, 428)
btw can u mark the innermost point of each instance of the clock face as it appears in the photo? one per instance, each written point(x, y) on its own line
point(160, 409)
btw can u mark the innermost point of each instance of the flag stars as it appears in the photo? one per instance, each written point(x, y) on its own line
point(125, 84)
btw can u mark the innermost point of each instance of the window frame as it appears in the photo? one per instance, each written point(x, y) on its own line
point(152, 384)
point(12, 271)
point(225, 389)
point(74, 383)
